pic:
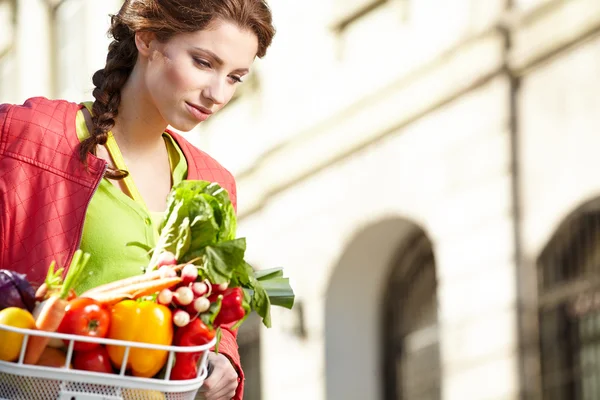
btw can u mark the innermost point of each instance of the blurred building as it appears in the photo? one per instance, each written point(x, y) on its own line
point(426, 172)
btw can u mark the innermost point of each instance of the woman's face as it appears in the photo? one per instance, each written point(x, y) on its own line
point(193, 75)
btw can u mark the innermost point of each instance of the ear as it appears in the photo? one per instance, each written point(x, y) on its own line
point(143, 40)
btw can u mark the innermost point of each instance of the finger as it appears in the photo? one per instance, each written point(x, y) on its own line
point(229, 388)
point(225, 391)
point(212, 382)
point(225, 395)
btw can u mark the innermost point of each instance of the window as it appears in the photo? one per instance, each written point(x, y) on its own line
point(411, 345)
point(7, 25)
point(569, 314)
point(348, 11)
point(358, 24)
point(7, 57)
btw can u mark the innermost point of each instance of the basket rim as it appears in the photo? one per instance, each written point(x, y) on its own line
point(113, 342)
point(119, 379)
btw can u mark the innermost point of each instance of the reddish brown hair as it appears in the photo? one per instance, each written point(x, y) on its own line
point(165, 18)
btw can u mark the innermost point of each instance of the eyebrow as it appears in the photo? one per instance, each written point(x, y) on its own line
point(219, 61)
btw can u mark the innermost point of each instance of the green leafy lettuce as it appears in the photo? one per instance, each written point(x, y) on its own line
point(200, 225)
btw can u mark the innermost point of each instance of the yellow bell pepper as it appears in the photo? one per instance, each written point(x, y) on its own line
point(145, 322)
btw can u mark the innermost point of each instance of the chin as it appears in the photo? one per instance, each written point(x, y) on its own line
point(184, 129)
point(184, 126)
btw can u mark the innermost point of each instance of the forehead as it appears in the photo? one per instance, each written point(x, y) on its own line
point(236, 47)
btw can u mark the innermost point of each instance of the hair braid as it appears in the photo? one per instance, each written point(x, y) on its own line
point(108, 82)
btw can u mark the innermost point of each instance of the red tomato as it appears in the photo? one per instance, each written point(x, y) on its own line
point(85, 317)
point(96, 360)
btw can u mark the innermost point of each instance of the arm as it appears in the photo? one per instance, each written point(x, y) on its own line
point(229, 348)
point(226, 382)
point(228, 345)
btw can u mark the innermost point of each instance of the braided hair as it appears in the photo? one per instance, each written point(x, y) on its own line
point(164, 18)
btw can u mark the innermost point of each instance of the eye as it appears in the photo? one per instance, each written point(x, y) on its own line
point(202, 63)
point(235, 78)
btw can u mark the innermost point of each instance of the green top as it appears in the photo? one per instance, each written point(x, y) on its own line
point(114, 219)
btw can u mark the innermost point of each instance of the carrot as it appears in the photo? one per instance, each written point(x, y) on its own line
point(53, 310)
point(157, 286)
point(49, 319)
point(133, 291)
point(117, 286)
point(108, 298)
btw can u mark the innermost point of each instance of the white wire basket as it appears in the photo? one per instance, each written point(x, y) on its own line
point(20, 381)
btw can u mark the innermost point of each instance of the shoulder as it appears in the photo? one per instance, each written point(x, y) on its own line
point(39, 108)
point(48, 115)
point(202, 166)
point(42, 132)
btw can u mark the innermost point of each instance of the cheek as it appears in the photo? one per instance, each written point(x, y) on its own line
point(174, 77)
point(179, 77)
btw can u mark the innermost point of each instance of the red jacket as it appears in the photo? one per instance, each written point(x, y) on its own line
point(45, 190)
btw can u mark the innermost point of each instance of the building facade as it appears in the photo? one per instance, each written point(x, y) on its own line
point(424, 170)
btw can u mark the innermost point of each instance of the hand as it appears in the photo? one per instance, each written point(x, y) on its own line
point(223, 381)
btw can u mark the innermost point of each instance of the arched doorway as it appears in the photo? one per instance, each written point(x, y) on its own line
point(411, 343)
point(569, 313)
point(357, 312)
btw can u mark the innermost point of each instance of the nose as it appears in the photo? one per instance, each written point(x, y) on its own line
point(215, 91)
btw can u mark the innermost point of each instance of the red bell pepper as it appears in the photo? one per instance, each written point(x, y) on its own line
point(232, 307)
point(196, 333)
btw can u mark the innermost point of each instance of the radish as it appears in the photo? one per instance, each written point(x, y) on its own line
point(201, 304)
point(167, 271)
point(165, 297)
point(181, 318)
point(199, 288)
point(209, 286)
point(222, 287)
point(166, 258)
point(183, 296)
point(189, 273)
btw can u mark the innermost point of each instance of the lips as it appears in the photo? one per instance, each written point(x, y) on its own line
point(199, 112)
point(203, 109)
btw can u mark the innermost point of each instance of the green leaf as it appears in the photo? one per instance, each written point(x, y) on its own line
point(280, 292)
point(225, 214)
point(243, 276)
point(228, 224)
point(221, 260)
point(262, 305)
point(199, 213)
point(170, 231)
point(218, 335)
point(271, 273)
point(54, 278)
point(182, 239)
point(270, 289)
point(204, 227)
point(74, 273)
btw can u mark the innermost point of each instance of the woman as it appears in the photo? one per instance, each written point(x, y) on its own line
point(96, 176)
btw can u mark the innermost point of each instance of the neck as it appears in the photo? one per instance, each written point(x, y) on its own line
point(138, 126)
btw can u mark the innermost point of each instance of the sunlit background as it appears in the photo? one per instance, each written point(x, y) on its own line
point(426, 171)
